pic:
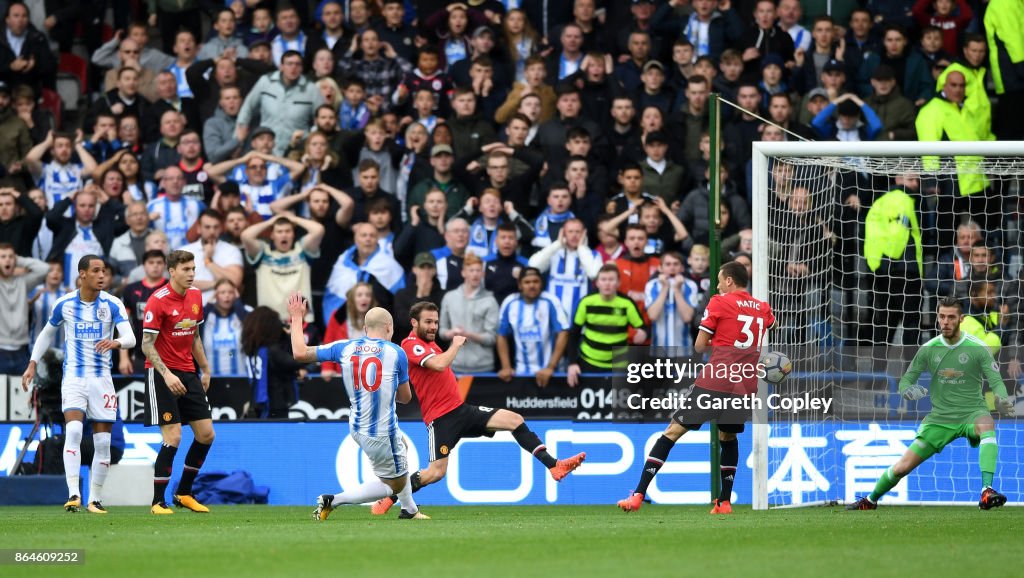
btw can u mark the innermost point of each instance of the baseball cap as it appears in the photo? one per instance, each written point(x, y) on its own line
point(883, 72)
point(259, 42)
point(816, 92)
point(653, 64)
point(657, 137)
point(424, 259)
point(5, 88)
point(261, 131)
point(833, 66)
point(773, 58)
point(441, 149)
point(481, 30)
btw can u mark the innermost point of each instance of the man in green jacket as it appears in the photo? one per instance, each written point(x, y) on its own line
point(977, 107)
point(1004, 21)
point(895, 110)
point(897, 268)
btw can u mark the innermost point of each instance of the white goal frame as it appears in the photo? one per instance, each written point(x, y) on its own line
point(759, 215)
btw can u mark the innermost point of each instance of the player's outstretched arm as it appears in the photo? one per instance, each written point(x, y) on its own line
point(444, 361)
point(297, 312)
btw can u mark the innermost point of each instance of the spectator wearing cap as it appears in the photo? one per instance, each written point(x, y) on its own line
point(628, 71)
point(481, 43)
point(764, 38)
point(535, 323)
point(442, 159)
point(848, 125)
point(285, 102)
point(25, 55)
point(639, 20)
point(833, 84)
point(423, 287)
point(662, 177)
point(709, 29)
point(895, 111)
point(653, 90)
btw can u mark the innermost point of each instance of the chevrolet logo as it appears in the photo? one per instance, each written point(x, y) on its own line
point(950, 373)
point(185, 324)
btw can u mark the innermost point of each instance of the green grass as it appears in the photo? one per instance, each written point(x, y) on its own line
point(543, 541)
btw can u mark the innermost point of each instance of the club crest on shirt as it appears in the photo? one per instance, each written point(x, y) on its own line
point(103, 313)
point(195, 309)
point(963, 358)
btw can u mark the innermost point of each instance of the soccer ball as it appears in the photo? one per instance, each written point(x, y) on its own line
point(776, 366)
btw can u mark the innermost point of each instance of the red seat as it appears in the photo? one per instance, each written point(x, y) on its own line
point(76, 66)
point(50, 101)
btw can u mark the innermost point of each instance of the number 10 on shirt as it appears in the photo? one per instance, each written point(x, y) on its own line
point(359, 371)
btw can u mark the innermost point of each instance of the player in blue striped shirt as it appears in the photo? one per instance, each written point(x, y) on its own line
point(376, 374)
point(89, 316)
point(539, 326)
point(669, 299)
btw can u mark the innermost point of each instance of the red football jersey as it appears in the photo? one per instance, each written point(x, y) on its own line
point(176, 319)
point(437, 391)
point(737, 323)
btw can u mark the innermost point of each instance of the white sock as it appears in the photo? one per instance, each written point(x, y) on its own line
point(73, 456)
point(368, 492)
point(100, 465)
point(405, 498)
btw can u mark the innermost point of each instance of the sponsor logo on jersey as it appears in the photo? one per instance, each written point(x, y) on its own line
point(88, 330)
point(185, 324)
point(950, 373)
point(418, 349)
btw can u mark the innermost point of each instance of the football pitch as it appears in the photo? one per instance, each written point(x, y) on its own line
point(523, 541)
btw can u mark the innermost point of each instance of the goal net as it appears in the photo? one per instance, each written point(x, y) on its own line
point(854, 277)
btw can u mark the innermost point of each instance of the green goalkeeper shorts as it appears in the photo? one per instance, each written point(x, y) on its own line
point(933, 437)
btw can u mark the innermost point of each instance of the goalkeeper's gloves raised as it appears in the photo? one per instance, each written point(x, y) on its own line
point(915, 392)
point(1005, 406)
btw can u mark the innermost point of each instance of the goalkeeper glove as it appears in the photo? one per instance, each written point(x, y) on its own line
point(1006, 406)
point(915, 392)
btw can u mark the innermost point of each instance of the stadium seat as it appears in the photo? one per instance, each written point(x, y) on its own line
point(72, 83)
point(50, 101)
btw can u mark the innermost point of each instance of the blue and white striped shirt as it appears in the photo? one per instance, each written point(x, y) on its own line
point(179, 75)
point(280, 45)
point(372, 370)
point(669, 330)
point(222, 340)
point(534, 327)
point(567, 280)
point(41, 309)
point(59, 181)
point(85, 325)
point(175, 218)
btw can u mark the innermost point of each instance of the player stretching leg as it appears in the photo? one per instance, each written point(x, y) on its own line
point(173, 345)
point(958, 364)
point(376, 374)
point(89, 316)
point(448, 419)
point(734, 325)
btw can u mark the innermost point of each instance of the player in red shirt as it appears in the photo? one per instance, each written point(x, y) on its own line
point(173, 346)
point(448, 419)
point(734, 325)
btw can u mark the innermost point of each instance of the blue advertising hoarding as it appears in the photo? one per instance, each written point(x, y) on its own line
point(810, 462)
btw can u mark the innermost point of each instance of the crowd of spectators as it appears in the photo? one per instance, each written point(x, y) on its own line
point(380, 152)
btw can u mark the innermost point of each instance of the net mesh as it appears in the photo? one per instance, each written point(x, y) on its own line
point(853, 302)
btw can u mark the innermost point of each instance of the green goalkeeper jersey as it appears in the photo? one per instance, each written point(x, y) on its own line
point(958, 372)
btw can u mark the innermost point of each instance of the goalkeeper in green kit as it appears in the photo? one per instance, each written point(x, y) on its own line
point(958, 363)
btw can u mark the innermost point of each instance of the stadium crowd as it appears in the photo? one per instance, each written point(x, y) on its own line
point(502, 158)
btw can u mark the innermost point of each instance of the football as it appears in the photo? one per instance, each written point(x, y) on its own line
point(776, 366)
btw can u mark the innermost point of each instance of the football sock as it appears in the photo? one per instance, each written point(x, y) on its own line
point(531, 443)
point(162, 471)
point(406, 500)
point(73, 456)
point(369, 492)
point(100, 465)
point(414, 485)
point(656, 459)
point(987, 454)
point(730, 457)
point(886, 482)
point(193, 461)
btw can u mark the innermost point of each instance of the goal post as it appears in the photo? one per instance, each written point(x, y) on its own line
point(817, 334)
